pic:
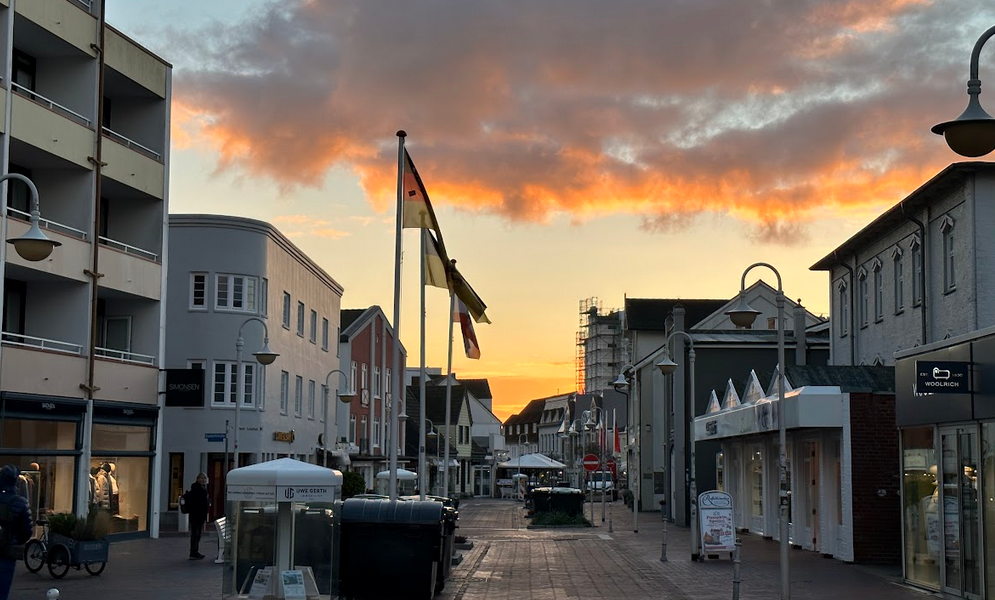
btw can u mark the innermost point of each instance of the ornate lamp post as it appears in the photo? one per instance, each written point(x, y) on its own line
point(264, 356)
point(345, 397)
point(971, 134)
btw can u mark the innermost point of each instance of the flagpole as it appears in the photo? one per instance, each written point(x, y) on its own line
point(398, 375)
point(422, 474)
point(449, 391)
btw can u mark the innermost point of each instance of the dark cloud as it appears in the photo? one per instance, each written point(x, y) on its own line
point(768, 111)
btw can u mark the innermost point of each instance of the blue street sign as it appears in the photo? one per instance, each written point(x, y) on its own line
point(214, 437)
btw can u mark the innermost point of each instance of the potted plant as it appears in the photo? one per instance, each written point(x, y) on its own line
point(84, 538)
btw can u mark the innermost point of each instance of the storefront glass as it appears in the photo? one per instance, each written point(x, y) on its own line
point(988, 498)
point(119, 474)
point(921, 508)
point(39, 434)
point(756, 470)
point(46, 481)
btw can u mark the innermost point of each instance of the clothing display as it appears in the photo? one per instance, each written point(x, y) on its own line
point(104, 491)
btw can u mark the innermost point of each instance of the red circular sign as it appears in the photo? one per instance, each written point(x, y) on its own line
point(591, 462)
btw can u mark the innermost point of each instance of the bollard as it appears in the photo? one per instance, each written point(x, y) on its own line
point(663, 545)
point(610, 528)
point(735, 570)
point(52, 594)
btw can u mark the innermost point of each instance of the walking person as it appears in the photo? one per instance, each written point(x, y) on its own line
point(15, 527)
point(196, 501)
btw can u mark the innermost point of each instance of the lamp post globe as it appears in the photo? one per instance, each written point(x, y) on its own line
point(34, 245)
point(972, 134)
point(666, 365)
point(743, 315)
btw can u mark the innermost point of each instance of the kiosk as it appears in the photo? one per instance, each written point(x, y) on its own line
point(284, 537)
point(407, 482)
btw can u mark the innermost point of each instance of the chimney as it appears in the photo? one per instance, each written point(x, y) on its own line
point(801, 346)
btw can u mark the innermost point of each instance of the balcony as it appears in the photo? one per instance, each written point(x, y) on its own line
point(127, 381)
point(51, 127)
point(71, 21)
point(34, 365)
point(130, 269)
point(129, 143)
point(132, 164)
point(69, 261)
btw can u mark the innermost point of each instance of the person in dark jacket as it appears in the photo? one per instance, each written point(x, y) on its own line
point(16, 524)
point(197, 502)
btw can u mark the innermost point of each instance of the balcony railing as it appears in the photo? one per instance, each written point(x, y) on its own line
point(63, 229)
point(123, 356)
point(117, 137)
point(86, 5)
point(27, 341)
point(129, 249)
point(50, 104)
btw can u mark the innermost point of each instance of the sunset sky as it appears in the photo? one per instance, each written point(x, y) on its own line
point(571, 148)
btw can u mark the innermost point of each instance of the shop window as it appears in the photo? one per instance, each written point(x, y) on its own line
point(46, 481)
point(176, 487)
point(120, 485)
point(130, 438)
point(988, 481)
point(921, 514)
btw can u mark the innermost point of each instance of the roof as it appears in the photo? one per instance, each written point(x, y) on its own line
point(347, 316)
point(435, 403)
point(651, 313)
point(480, 388)
point(860, 378)
point(941, 183)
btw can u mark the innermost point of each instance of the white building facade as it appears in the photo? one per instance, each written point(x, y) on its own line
point(217, 295)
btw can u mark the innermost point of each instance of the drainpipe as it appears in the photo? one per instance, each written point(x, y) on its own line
point(853, 309)
point(90, 387)
point(922, 278)
point(801, 343)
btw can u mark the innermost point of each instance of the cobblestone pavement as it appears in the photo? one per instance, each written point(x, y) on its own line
point(510, 562)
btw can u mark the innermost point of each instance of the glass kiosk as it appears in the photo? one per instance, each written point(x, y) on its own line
point(283, 533)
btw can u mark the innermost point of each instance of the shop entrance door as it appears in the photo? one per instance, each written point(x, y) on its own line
point(962, 562)
point(810, 466)
point(216, 472)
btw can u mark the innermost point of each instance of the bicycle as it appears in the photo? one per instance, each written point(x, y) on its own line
point(40, 551)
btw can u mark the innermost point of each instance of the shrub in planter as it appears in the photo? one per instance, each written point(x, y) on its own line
point(559, 518)
point(95, 526)
point(352, 484)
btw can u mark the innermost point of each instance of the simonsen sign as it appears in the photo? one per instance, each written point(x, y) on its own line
point(185, 387)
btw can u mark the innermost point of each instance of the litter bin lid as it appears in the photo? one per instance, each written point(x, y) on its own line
point(363, 510)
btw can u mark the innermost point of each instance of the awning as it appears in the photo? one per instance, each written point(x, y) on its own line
point(807, 407)
point(532, 461)
point(438, 461)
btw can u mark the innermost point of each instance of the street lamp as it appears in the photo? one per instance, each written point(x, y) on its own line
point(743, 316)
point(33, 245)
point(344, 397)
point(973, 132)
point(264, 356)
point(667, 367)
point(596, 420)
point(433, 433)
point(620, 384)
point(571, 433)
point(521, 436)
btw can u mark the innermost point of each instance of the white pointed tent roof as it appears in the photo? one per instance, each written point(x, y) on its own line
point(284, 472)
point(753, 392)
point(772, 389)
point(402, 475)
point(532, 461)
point(731, 398)
point(713, 404)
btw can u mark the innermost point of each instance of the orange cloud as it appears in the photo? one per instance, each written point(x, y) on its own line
point(776, 113)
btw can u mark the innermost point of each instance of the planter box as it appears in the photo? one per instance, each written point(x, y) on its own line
point(81, 552)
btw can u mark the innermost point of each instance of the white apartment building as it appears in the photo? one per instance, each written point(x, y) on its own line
point(230, 275)
point(85, 114)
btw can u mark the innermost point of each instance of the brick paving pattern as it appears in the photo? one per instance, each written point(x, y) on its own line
point(510, 562)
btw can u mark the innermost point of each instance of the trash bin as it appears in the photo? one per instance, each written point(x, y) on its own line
point(541, 497)
point(567, 500)
point(449, 517)
point(391, 549)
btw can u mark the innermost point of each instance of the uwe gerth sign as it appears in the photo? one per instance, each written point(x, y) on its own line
point(943, 377)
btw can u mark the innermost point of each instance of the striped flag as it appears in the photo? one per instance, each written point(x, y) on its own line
point(462, 316)
point(417, 212)
point(435, 264)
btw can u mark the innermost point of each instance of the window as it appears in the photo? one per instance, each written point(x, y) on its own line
point(878, 291)
point(18, 194)
point(314, 327)
point(284, 391)
point(324, 402)
point(338, 332)
point(949, 280)
point(387, 383)
point(365, 387)
point(365, 384)
point(363, 440)
point(298, 395)
point(235, 292)
point(286, 310)
point(352, 429)
point(843, 304)
point(310, 399)
point(24, 70)
point(864, 298)
point(376, 432)
point(916, 272)
point(263, 297)
point(899, 263)
point(352, 378)
point(376, 382)
point(225, 384)
point(198, 291)
point(324, 334)
point(300, 319)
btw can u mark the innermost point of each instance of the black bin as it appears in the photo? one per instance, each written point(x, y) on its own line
point(541, 497)
point(391, 549)
point(449, 518)
point(566, 500)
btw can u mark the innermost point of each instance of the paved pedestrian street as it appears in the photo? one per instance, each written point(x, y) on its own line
point(511, 562)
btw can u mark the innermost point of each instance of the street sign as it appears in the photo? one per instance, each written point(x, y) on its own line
point(591, 462)
point(214, 437)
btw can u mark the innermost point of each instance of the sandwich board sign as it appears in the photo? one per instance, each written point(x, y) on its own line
point(715, 522)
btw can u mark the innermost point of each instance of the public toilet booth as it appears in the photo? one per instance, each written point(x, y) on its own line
point(407, 482)
point(283, 538)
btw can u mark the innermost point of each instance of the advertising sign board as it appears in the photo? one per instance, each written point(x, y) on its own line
point(715, 522)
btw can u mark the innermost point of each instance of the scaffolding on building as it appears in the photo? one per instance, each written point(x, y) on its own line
point(600, 346)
